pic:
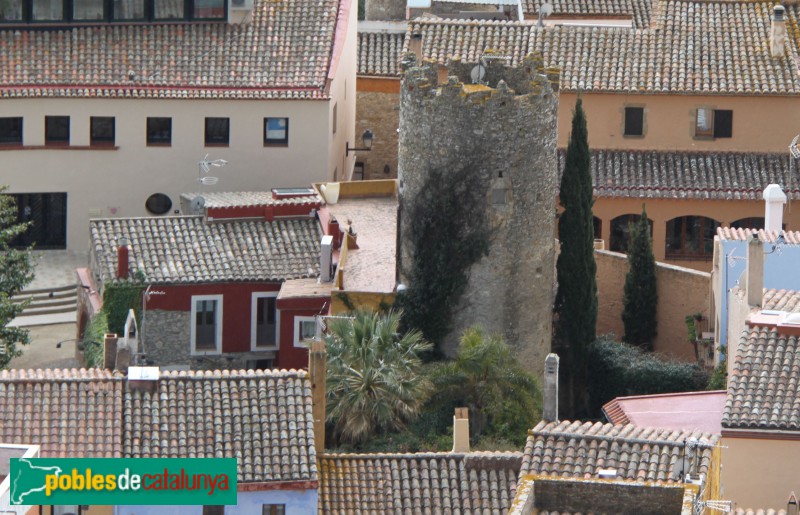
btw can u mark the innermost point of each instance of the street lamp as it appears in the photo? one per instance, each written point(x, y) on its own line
point(366, 138)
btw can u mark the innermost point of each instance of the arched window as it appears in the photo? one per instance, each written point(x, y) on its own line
point(691, 237)
point(620, 231)
point(754, 222)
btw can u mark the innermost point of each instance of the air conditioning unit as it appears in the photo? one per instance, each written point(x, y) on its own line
point(241, 5)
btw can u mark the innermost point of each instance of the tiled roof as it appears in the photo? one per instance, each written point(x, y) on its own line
point(781, 300)
point(67, 412)
point(688, 175)
point(637, 10)
point(262, 418)
point(764, 385)
point(740, 511)
point(680, 53)
point(186, 249)
point(248, 198)
point(479, 482)
point(729, 233)
point(580, 449)
point(379, 53)
point(283, 52)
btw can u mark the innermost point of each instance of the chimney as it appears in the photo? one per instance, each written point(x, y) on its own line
point(317, 372)
point(791, 506)
point(415, 45)
point(774, 199)
point(326, 259)
point(755, 272)
point(109, 350)
point(461, 430)
point(550, 410)
point(122, 258)
point(777, 34)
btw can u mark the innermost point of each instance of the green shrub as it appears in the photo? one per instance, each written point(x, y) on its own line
point(93, 340)
point(118, 299)
point(618, 369)
point(719, 378)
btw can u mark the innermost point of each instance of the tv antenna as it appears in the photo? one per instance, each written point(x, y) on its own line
point(204, 169)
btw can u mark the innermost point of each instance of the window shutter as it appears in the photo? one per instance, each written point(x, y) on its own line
point(723, 123)
point(634, 121)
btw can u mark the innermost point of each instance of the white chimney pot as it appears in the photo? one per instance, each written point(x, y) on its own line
point(774, 198)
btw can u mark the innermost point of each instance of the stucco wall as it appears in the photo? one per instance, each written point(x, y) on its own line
point(342, 90)
point(681, 292)
point(759, 472)
point(380, 112)
point(297, 502)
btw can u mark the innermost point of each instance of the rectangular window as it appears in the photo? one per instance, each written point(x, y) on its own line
point(129, 10)
point(335, 109)
point(56, 130)
point(276, 131)
point(634, 121)
point(358, 172)
point(273, 509)
point(206, 320)
point(168, 9)
point(88, 10)
point(48, 10)
point(713, 123)
point(101, 130)
point(11, 131)
point(159, 131)
point(213, 510)
point(218, 131)
point(305, 329)
point(209, 9)
point(264, 320)
point(11, 10)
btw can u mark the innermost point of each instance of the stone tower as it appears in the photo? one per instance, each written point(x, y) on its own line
point(504, 130)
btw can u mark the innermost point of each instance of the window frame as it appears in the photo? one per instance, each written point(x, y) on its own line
point(274, 142)
point(104, 142)
point(7, 141)
point(714, 131)
point(671, 254)
point(625, 132)
point(50, 141)
point(298, 325)
point(254, 321)
point(220, 143)
point(194, 351)
point(154, 142)
point(189, 12)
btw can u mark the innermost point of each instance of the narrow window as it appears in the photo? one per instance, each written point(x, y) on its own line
point(11, 131)
point(102, 130)
point(634, 121)
point(723, 123)
point(159, 131)
point(335, 109)
point(704, 122)
point(206, 324)
point(276, 131)
point(217, 131)
point(56, 130)
point(264, 316)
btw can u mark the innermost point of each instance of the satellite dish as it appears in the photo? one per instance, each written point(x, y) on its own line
point(545, 10)
point(478, 73)
point(198, 203)
point(793, 147)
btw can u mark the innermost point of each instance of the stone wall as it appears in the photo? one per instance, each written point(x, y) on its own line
point(382, 10)
point(681, 292)
point(378, 111)
point(505, 131)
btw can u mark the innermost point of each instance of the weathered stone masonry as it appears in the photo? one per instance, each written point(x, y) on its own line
point(508, 126)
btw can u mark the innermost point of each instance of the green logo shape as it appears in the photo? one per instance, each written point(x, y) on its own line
point(123, 481)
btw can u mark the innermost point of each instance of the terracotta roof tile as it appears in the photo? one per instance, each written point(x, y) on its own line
point(750, 511)
point(580, 449)
point(262, 418)
point(738, 234)
point(225, 199)
point(187, 249)
point(67, 412)
point(479, 482)
point(764, 385)
point(781, 300)
point(637, 10)
point(379, 53)
point(283, 52)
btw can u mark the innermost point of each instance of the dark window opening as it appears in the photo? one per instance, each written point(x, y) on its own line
point(80, 11)
point(265, 321)
point(158, 204)
point(691, 237)
point(46, 214)
point(218, 131)
point(56, 130)
point(634, 121)
point(753, 222)
point(713, 123)
point(11, 131)
point(598, 228)
point(102, 130)
point(159, 131)
point(723, 123)
point(276, 131)
point(621, 231)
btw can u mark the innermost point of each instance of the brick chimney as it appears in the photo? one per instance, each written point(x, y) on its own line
point(123, 266)
point(461, 430)
point(550, 409)
point(777, 34)
point(317, 374)
point(774, 199)
point(755, 272)
point(109, 351)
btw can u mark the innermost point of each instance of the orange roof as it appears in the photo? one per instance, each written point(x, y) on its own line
point(688, 411)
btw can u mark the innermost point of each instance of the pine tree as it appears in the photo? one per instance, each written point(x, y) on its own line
point(576, 300)
point(641, 297)
point(16, 271)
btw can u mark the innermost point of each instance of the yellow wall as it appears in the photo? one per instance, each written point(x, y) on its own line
point(760, 124)
point(359, 300)
point(760, 473)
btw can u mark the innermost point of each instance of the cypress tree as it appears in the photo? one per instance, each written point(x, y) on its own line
point(576, 299)
point(641, 297)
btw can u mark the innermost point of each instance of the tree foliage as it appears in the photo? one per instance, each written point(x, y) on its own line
point(374, 382)
point(504, 400)
point(576, 299)
point(16, 271)
point(641, 297)
point(619, 370)
point(119, 298)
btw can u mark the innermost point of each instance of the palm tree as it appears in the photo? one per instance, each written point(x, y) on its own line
point(504, 399)
point(374, 381)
